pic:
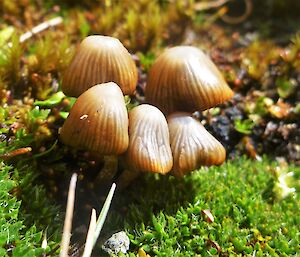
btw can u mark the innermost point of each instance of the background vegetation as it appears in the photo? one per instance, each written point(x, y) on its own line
point(254, 200)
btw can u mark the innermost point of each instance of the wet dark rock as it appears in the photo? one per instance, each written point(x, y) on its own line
point(233, 113)
point(222, 129)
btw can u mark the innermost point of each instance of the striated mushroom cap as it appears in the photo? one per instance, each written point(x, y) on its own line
point(149, 146)
point(100, 59)
point(192, 145)
point(183, 78)
point(98, 121)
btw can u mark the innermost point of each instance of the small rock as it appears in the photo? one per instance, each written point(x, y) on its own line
point(118, 242)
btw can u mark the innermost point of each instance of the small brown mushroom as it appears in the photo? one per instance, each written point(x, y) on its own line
point(149, 146)
point(98, 121)
point(192, 145)
point(183, 78)
point(100, 59)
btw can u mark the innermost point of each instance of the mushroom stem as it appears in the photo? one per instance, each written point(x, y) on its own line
point(120, 169)
point(125, 175)
point(109, 170)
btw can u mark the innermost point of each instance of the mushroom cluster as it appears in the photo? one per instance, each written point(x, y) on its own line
point(159, 136)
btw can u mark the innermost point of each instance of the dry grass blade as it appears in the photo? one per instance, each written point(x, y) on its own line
point(69, 217)
point(90, 236)
point(202, 6)
point(104, 212)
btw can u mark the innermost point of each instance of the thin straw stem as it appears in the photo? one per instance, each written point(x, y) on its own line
point(90, 236)
point(69, 217)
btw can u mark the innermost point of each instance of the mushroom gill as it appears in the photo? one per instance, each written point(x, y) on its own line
point(149, 146)
point(183, 78)
point(192, 145)
point(100, 59)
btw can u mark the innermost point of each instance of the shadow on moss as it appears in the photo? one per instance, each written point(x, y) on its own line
point(164, 216)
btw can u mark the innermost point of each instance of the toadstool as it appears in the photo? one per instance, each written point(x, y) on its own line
point(149, 146)
point(98, 121)
point(100, 59)
point(192, 145)
point(183, 78)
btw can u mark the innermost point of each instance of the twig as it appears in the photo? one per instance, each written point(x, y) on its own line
point(202, 6)
point(69, 217)
point(209, 5)
point(15, 152)
point(39, 28)
point(239, 19)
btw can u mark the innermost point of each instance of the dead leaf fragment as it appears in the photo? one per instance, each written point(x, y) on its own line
point(280, 110)
point(208, 216)
point(214, 244)
point(142, 253)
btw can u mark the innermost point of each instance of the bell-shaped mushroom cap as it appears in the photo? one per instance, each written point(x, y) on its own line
point(192, 145)
point(98, 121)
point(149, 146)
point(100, 59)
point(183, 78)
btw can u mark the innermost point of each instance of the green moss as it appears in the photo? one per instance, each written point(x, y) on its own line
point(165, 216)
point(10, 64)
point(27, 215)
point(24, 213)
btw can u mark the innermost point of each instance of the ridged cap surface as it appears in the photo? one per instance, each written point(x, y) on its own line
point(183, 78)
point(149, 146)
point(98, 121)
point(100, 59)
point(192, 145)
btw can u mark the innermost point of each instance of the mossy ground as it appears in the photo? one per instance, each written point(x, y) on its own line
point(163, 215)
point(29, 222)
